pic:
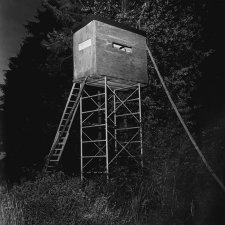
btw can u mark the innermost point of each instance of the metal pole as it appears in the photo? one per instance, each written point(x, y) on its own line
point(81, 139)
point(115, 122)
point(141, 144)
point(106, 129)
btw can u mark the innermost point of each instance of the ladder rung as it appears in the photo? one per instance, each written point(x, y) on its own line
point(56, 153)
point(55, 159)
point(61, 140)
point(62, 134)
point(60, 143)
point(63, 120)
point(62, 127)
point(63, 137)
point(57, 149)
point(69, 108)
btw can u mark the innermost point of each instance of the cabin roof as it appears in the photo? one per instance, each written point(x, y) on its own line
point(88, 19)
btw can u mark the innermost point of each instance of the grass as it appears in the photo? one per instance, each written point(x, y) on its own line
point(60, 200)
point(11, 211)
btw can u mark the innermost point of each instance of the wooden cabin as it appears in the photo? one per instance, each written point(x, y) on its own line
point(108, 48)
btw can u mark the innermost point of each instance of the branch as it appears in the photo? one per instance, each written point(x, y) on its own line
point(144, 6)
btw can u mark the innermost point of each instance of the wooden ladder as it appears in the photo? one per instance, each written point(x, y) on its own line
point(64, 127)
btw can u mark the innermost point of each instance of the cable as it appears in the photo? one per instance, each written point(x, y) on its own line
point(145, 5)
point(183, 123)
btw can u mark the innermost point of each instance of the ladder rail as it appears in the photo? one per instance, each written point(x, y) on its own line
point(64, 112)
point(67, 124)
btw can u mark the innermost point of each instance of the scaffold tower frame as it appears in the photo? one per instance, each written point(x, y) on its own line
point(110, 124)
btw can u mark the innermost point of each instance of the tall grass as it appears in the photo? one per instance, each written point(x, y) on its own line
point(11, 210)
point(61, 200)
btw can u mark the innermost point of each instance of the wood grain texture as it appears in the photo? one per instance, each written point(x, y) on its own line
point(103, 59)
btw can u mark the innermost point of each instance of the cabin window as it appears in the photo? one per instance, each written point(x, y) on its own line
point(122, 47)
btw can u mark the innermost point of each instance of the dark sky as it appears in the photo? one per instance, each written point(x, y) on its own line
point(13, 15)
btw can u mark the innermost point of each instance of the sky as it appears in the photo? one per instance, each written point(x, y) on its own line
point(13, 15)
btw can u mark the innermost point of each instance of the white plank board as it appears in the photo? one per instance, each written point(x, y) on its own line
point(84, 45)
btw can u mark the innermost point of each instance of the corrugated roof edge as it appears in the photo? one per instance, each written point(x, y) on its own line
point(88, 19)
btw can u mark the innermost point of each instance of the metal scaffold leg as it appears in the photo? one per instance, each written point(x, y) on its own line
point(110, 126)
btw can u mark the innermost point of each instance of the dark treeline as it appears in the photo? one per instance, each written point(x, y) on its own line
point(187, 42)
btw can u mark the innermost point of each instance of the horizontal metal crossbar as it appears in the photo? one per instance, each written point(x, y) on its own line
point(130, 100)
point(128, 114)
point(92, 96)
point(91, 99)
point(91, 141)
point(94, 156)
point(124, 88)
point(123, 147)
point(127, 128)
point(130, 142)
point(94, 110)
point(95, 172)
point(98, 147)
point(122, 103)
point(96, 125)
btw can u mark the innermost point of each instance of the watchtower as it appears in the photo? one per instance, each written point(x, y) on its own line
point(110, 66)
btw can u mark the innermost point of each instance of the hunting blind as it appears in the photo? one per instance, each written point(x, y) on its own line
point(104, 49)
point(110, 66)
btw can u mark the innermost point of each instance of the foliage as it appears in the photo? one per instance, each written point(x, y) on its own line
point(11, 211)
point(57, 199)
